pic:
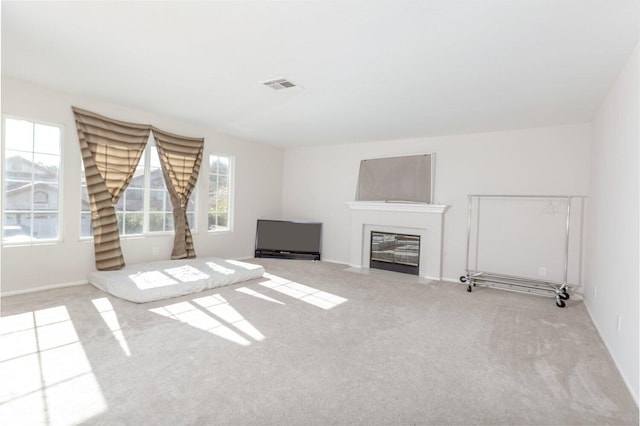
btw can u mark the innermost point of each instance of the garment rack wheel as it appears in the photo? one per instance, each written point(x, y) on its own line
point(464, 279)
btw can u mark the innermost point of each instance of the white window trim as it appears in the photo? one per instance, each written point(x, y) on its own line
point(61, 230)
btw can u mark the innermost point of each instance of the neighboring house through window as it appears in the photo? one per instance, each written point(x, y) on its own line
point(41, 198)
point(31, 181)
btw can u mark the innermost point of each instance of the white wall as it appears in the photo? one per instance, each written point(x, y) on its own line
point(258, 186)
point(319, 180)
point(611, 287)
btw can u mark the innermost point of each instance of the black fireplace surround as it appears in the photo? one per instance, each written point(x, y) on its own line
point(395, 252)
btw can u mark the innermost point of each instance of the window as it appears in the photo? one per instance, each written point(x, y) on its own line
point(160, 207)
point(130, 206)
point(219, 193)
point(31, 187)
point(145, 206)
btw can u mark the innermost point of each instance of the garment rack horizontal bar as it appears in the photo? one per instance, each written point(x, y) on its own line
point(519, 289)
point(490, 275)
point(532, 285)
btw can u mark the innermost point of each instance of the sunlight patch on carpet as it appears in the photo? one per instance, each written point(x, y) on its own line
point(50, 378)
point(189, 314)
point(104, 307)
point(254, 293)
point(219, 307)
point(313, 296)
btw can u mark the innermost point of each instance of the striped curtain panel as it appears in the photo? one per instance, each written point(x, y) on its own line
point(111, 151)
point(180, 158)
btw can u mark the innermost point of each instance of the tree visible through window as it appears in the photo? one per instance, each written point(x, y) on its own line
point(219, 179)
point(31, 184)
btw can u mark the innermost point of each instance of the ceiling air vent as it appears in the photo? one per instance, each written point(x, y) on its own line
point(279, 84)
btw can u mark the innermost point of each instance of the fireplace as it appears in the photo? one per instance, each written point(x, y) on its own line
point(395, 252)
point(425, 220)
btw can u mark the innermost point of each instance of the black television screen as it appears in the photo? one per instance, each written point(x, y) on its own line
point(287, 236)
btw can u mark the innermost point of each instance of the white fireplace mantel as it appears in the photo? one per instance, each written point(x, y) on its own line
point(398, 207)
point(426, 220)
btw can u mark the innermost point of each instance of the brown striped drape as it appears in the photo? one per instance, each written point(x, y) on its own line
point(180, 158)
point(111, 151)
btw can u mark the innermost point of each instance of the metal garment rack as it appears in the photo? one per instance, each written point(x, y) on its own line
point(548, 288)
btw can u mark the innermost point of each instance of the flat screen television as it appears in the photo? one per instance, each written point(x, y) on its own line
point(288, 239)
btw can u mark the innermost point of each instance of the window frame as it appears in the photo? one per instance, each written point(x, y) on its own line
point(231, 192)
point(60, 208)
point(146, 205)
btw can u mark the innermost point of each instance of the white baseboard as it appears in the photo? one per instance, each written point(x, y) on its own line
point(624, 379)
point(426, 277)
point(46, 287)
point(244, 258)
point(339, 262)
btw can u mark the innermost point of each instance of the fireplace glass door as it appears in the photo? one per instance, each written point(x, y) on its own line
point(395, 252)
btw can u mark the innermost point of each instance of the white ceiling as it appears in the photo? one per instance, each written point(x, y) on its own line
point(370, 70)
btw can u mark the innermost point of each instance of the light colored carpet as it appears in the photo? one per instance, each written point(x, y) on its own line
point(315, 343)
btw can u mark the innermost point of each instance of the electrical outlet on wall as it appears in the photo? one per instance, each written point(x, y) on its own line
point(542, 271)
point(155, 251)
point(619, 323)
